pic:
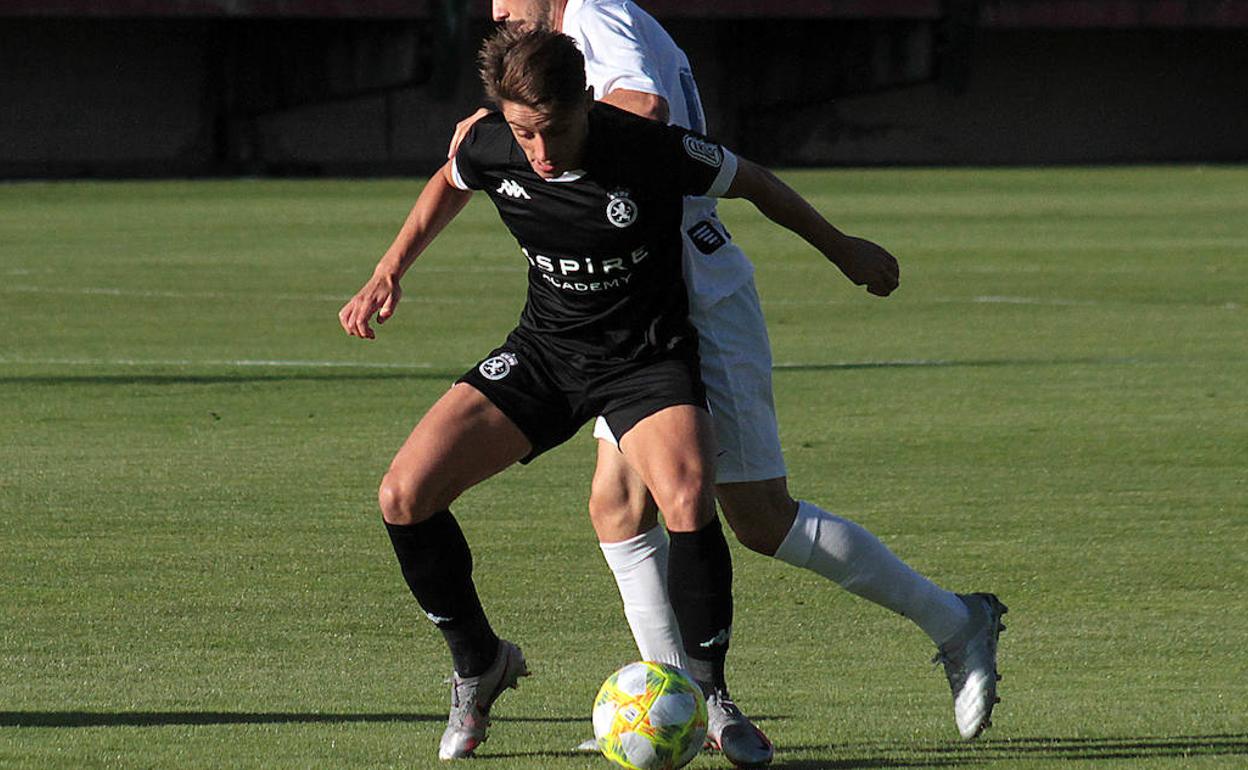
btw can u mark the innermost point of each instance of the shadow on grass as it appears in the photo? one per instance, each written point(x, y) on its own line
point(953, 363)
point(347, 373)
point(109, 380)
point(839, 756)
point(1117, 747)
point(899, 754)
point(801, 764)
point(864, 756)
point(850, 764)
point(170, 718)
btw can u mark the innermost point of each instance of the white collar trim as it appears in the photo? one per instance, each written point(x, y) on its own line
point(567, 176)
point(572, 8)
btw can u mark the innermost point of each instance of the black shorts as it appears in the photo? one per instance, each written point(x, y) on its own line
point(549, 400)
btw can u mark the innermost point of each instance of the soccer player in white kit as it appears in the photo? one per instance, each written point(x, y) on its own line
point(633, 63)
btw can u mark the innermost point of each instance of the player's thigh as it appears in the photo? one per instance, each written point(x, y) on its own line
point(736, 362)
point(462, 440)
point(620, 505)
point(673, 452)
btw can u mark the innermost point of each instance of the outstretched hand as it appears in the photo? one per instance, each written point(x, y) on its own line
point(869, 264)
point(380, 295)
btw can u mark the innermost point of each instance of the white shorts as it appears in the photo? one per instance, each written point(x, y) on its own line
point(736, 369)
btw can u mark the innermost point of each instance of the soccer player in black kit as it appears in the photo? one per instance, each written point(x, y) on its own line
point(593, 195)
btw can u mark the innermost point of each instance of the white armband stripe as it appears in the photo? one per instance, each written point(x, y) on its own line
point(727, 173)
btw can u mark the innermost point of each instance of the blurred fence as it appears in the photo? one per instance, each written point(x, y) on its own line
point(188, 87)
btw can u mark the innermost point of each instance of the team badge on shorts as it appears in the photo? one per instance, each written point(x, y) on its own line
point(498, 367)
point(621, 211)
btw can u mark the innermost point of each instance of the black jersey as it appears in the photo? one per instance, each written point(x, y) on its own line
point(603, 244)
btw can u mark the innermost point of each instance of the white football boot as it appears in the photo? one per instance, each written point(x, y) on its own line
point(472, 697)
point(732, 732)
point(970, 661)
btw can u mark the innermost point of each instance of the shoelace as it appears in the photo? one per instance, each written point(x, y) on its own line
point(727, 704)
point(467, 686)
point(955, 670)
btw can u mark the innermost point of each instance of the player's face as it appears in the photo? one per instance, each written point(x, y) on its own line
point(554, 142)
point(524, 13)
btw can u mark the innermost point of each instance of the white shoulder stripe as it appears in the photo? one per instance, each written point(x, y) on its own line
point(456, 179)
point(727, 173)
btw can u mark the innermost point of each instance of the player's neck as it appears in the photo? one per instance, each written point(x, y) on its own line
point(557, 8)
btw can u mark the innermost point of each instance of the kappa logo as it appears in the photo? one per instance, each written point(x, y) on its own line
point(621, 211)
point(513, 189)
point(498, 367)
point(718, 639)
point(705, 151)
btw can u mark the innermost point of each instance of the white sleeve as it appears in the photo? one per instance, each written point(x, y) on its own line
point(617, 54)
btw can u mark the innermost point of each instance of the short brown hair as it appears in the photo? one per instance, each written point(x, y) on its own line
point(538, 68)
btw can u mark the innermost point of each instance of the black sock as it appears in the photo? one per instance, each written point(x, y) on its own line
point(437, 566)
point(699, 582)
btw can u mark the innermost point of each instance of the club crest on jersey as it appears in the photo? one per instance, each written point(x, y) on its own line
point(498, 367)
point(701, 150)
point(513, 189)
point(621, 211)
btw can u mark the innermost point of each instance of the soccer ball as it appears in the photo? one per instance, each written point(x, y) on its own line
point(650, 716)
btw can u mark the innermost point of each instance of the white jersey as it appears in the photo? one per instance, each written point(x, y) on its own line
point(625, 47)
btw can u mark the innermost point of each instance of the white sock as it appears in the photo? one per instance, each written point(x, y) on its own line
point(855, 559)
point(640, 568)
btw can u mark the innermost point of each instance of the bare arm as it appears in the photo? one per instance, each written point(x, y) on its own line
point(437, 205)
point(646, 105)
point(863, 262)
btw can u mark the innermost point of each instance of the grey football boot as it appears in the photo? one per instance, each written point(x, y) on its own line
point(732, 732)
point(970, 661)
point(472, 697)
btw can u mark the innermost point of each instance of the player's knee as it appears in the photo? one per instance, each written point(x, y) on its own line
point(403, 501)
point(618, 512)
point(753, 536)
point(687, 507)
point(760, 522)
point(609, 501)
point(618, 498)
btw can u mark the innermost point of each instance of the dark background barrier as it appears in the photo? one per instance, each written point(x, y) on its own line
point(311, 87)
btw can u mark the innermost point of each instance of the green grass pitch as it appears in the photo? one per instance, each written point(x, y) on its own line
point(1054, 407)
